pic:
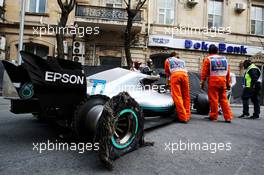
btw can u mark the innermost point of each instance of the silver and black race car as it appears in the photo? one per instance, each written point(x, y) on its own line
point(109, 107)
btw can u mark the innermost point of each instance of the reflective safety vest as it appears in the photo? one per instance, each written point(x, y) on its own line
point(176, 65)
point(247, 78)
point(218, 65)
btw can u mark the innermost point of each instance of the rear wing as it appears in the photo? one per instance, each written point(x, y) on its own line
point(52, 82)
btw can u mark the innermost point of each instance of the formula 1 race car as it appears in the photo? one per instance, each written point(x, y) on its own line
point(108, 107)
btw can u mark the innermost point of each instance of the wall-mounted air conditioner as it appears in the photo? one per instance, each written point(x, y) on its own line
point(192, 3)
point(78, 48)
point(240, 7)
point(78, 58)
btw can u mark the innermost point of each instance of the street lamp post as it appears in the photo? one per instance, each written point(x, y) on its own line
point(21, 30)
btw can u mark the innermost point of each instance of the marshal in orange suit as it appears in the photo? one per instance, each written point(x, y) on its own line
point(217, 70)
point(179, 81)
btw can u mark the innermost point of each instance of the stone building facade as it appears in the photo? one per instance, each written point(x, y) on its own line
point(185, 26)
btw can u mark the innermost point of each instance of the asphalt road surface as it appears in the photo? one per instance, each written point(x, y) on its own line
point(240, 148)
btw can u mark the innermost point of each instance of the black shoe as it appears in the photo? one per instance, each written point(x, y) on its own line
point(254, 117)
point(228, 121)
point(243, 115)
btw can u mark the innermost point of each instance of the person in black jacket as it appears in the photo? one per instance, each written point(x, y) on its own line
point(251, 90)
point(148, 69)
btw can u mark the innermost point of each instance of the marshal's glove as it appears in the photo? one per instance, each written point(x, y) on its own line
point(202, 84)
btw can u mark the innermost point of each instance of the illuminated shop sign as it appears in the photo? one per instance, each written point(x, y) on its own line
point(222, 47)
point(199, 45)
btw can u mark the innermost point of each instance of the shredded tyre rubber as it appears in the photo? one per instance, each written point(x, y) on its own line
point(106, 129)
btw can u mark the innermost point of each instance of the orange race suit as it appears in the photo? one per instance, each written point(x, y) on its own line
point(217, 70)
point(180, 90)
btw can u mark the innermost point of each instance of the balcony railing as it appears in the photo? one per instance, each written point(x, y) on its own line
point(105, 13)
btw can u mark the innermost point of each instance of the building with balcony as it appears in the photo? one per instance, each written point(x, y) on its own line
point(99, 38)
point(110, 17)
point(162, 26)
point(191, 26)
point(39, 15)
point(187, 26)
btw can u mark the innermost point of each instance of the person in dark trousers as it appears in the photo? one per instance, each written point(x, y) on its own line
point(251, 89)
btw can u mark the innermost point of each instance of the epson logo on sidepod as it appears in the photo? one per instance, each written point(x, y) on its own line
point(64, 78)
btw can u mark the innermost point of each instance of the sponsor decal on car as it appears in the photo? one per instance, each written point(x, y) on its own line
point(64, 78)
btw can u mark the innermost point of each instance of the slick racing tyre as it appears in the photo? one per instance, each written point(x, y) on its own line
point(120, 129)
point(201, 104)
point(87, 116)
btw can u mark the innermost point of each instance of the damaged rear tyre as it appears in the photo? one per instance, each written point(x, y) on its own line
point(120, 129)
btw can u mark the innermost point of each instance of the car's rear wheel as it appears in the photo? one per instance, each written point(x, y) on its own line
point(120, 129)
point(87, 116)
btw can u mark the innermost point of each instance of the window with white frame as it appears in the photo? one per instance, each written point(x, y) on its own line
point(257, 20)
point(215, 13)
point(166, 10)
point(36, 6)
point(114, 3)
